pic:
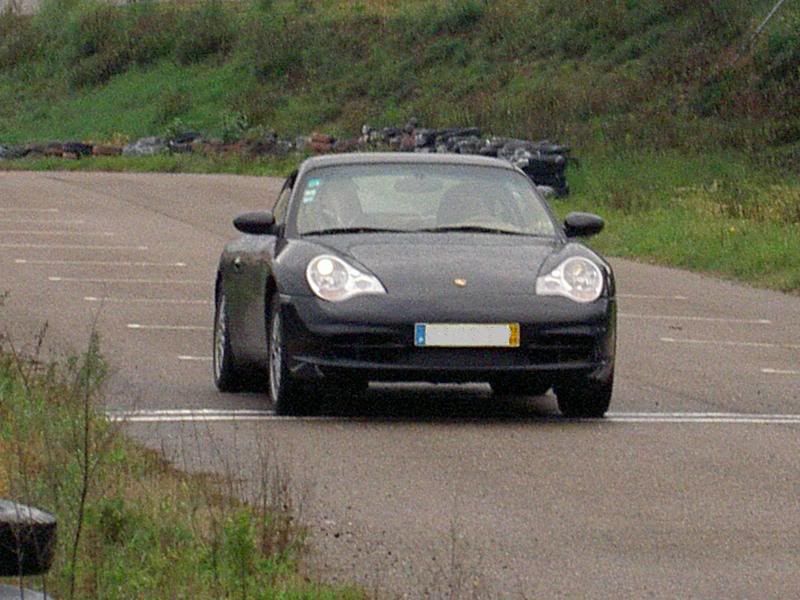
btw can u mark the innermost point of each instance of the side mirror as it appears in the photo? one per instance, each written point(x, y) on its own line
point(255, 223)
point(580, 224)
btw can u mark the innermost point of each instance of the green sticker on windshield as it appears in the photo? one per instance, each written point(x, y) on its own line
point(313, 183)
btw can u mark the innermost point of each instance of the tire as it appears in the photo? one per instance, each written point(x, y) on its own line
point(287, 394)
point(227, 376)
point(585, 398)
point(27, 540)
point(519, 386)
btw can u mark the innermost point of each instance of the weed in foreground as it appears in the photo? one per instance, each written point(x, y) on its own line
point(131, 525)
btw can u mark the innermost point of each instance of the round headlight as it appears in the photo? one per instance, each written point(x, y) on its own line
point(332, 279)
point(584, 279)
point(576, 278)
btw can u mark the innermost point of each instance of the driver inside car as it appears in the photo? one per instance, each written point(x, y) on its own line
point(337, 205)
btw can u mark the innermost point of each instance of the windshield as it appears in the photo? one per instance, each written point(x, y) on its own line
point(412, 197)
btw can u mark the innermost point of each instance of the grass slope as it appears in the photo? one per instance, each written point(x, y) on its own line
point(684, 131)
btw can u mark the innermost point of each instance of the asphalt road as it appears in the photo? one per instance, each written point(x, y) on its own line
point(689, 489)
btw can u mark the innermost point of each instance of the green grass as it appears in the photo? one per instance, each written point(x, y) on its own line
point(689, 149)
point(148, 531)
point(641, 72)
point(143, 102)
point(714, 213)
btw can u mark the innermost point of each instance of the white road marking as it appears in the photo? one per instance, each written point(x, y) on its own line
point(33, 210)
point(60, 232)
point(97, 263)
point(695, 319)
point(45, 221)
point(218, 415)
point(651, 297)
point(183, 415)
point(670, 340)
point(704, 417)
point(145, 300)
point(138, 281)
point(71, 247)
point(169, 327)
point(780, 372)
point(195, 358)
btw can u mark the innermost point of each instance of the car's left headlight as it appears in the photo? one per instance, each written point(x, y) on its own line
point(576, 278)
point(332, 279)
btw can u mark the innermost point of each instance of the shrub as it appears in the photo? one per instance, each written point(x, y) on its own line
point(234, 126)
point(174, 103)
point(779, 57)
point(152, 31)
point(18, 43)
point(97, 44)
point(205, 32)
point(272, 46)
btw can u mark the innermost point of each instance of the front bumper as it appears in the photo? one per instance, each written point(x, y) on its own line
point(373, 338)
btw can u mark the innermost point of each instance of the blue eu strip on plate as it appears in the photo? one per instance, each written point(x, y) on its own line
point(419, 334)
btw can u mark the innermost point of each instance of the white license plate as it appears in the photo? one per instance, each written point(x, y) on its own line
point(467, 335)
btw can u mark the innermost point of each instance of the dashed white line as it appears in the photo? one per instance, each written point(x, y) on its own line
point(695, 319)
point(169, 327)
point(71, 247)
point(652, 297)
point(187, 358)
point(46, 221)
point(670, 340)
point(780, 371)
point(217, 415)
point(137, 281)
point(144, 300)
point(59, 232)
point(97, 263)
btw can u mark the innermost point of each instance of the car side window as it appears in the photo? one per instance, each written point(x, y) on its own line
point(282, 204)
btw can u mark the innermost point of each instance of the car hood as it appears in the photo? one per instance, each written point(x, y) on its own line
point(430, 264)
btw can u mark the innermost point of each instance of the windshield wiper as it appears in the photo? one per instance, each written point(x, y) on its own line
point(471, 228)
point(336, 230)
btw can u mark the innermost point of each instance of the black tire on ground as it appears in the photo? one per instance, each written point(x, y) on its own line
point(228, 376)
point(584, 398)
point(288, 396)
point(519, 386)
point(27, 540)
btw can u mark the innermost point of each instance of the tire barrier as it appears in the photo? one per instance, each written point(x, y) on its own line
point(543, 161)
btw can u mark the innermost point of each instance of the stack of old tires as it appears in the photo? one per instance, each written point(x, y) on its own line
point(543, 161)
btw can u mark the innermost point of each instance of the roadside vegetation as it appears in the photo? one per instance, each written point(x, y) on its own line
point(686, 127)
point(129, 524)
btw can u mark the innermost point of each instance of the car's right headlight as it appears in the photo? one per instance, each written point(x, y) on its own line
point(332, 279)
point(576, 278)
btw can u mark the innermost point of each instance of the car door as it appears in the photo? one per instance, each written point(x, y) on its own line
point(250, 261)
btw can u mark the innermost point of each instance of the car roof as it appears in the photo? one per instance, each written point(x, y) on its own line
point(418, 158)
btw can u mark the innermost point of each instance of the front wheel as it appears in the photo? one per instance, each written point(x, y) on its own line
point(585, 398)
point(227, 377)
point(285, 390)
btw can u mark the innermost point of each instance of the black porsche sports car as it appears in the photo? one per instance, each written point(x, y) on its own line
point(414, 267)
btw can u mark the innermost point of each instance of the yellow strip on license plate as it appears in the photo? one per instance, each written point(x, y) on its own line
point(467, 335)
